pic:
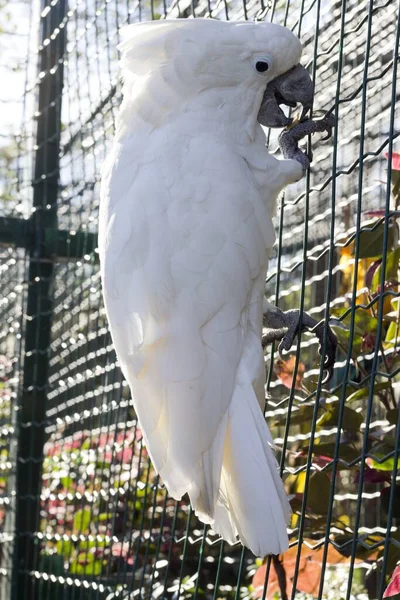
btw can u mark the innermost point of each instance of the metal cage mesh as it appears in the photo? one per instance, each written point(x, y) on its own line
point(83, 515)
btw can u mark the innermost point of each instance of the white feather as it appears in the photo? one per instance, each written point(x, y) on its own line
point(185, 232)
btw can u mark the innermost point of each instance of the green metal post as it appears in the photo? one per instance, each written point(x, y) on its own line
point(32, 407)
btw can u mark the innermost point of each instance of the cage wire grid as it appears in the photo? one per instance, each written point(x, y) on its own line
point(83, 515)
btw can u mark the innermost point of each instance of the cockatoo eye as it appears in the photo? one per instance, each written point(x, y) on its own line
point(262, 66)
point(262, 63)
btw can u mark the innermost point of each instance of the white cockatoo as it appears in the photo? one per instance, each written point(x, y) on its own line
point(187, 200)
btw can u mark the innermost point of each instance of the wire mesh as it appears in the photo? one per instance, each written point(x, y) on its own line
point(94, 520)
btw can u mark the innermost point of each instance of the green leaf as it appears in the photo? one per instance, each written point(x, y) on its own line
point(346, 452)
point(318, 493)
point(65, 548)
point(93, 568)
point(351, 419)
point(393, 554)
point(392, 267)
point(392, 332)
point(364, 392)
point(343, 335)
point(86, 545)
point(371, 242)
point(302, 415)
point(386, 465)
point(86, 564)
point(371, 272)
point(76, 568)
point(68, 482)
point(103, 517)
point(363, 323)
point(86, 444)
point(81, 521)
point(392, 416)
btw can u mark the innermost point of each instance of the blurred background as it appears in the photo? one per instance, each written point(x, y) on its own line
point(83, 515)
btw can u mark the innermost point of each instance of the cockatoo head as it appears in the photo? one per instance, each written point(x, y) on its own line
point(220, 63)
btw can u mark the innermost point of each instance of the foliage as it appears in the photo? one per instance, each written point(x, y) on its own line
point(309, 570)
point(94, 486)
point(104, 514)
point(345, 458)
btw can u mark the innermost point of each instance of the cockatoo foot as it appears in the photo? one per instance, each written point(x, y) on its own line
point(290, 137)
point(283, 327)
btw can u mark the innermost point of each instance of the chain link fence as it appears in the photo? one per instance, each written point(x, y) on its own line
point(83, 515)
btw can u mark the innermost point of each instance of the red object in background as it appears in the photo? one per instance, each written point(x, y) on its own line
point(394, 586)
point(395, 160)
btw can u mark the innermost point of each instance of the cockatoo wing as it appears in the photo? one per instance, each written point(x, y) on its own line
point(183, 246)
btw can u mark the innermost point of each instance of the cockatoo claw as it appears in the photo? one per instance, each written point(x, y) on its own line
point(284, 326)
point(289, 138)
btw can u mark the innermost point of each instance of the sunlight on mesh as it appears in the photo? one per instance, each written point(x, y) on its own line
point(92, 520)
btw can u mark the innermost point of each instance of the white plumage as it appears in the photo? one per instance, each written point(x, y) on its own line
point(188, 194)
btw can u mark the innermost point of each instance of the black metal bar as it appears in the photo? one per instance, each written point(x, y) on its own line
point(14, 232)
point(65, 245)
point(32, 404)
point(58, 244)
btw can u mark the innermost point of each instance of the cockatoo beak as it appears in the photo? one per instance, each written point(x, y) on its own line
point(291, 88)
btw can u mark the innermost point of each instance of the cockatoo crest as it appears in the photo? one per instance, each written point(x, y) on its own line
point(167, 65)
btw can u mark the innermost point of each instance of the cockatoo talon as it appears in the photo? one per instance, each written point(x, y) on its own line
point(284, 327)
point(290, 137)
point(330, 350)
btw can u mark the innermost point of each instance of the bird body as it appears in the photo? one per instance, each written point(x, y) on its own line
point(187, 200)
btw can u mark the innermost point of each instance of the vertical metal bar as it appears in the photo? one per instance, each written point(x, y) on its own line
point(392, 121)
point(32, 406)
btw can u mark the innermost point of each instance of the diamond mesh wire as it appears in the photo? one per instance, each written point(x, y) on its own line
point(13, 290)
point(95, 520)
